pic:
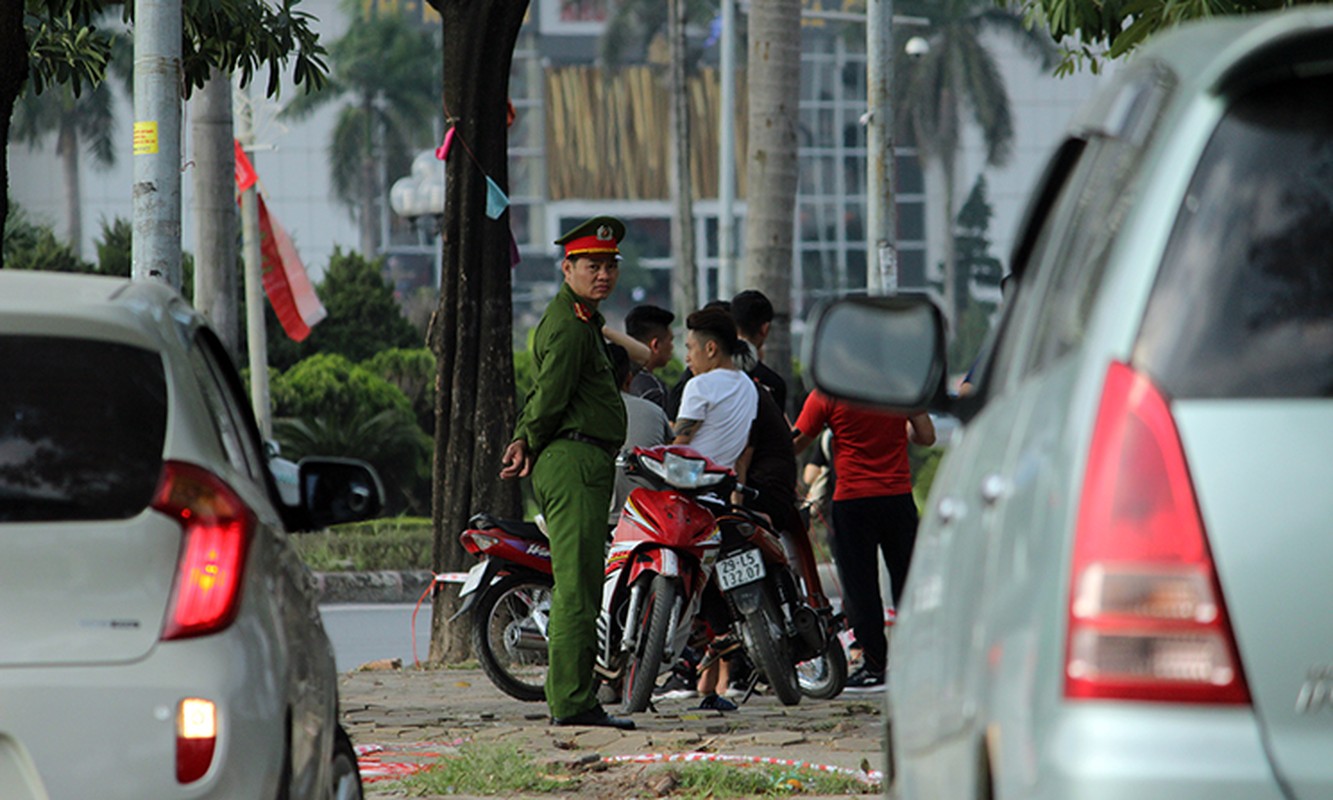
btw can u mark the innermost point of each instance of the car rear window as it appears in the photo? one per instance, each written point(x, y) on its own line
point(81, 428)
point(1243, 306)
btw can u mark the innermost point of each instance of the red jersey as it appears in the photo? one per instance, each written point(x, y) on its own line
point(869, 447)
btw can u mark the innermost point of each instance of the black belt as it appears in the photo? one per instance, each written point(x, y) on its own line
point(610, 447)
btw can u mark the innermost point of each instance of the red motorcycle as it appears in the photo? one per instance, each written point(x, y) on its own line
point(661, 558)
point(508, 593)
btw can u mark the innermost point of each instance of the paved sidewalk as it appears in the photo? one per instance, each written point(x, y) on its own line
point(404, 718)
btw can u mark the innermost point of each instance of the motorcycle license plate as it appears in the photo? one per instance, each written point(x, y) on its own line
point(473, 579)
point(740, 569)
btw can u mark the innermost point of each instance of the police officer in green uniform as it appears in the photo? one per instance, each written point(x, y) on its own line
point(572, 425)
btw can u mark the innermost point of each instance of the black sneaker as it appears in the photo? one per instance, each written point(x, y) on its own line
point(865, 680)
point(676, 688)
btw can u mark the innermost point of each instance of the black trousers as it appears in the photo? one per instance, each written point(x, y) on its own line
point(860, 528)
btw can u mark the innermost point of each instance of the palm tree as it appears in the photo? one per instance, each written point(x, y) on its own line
point(77, 122)
point(772, 166)
point(389, 69)
point(637, 22)
point(958, 74)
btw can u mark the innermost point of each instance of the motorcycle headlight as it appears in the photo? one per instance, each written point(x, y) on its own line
point(682, 472)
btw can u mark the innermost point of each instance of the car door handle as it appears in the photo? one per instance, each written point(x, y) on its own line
point(993, 487)
point(950, 509)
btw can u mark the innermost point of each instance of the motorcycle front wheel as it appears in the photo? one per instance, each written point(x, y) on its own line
point(509, 634)
point(654, 623)
point(770, 651)
point(824, 676)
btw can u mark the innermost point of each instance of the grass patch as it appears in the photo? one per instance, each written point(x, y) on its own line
point(497, 770)
point(391, 543)
point(722, 780)
point(502, 769)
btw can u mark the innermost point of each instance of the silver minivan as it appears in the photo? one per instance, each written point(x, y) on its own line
point(1120, 587)
point(159, 635)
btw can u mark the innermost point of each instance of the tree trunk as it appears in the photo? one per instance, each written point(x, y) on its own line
point(949, 245)
point(67, 149)
point(13, 72)
point(215, 276)
point(774, 80)
point(369, 227)
point(684, 278)
point(471, 331)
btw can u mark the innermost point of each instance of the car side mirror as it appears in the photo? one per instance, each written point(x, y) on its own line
point(335, 490)
point(886, 352)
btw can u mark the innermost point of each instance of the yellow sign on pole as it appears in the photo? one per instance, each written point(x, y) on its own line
point(145, 138)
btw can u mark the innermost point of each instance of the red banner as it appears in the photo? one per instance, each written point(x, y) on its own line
point(285, 280)
point(245, 171)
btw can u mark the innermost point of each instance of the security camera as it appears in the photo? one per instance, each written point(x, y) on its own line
point(916, 47)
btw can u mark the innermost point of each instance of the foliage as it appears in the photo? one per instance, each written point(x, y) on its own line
point(364, 319)
point(116, 247)
point(66, 46)
point(955, 79)
point(388, 71)
point(505, 770)
point(1095, 31)
point(721, 780)
point(31, 246)
point(393, 543)
point(35, 247)
point(482, 770)
point(86, 117)
point(326, 405)
point(975, 267)
point(413, 372)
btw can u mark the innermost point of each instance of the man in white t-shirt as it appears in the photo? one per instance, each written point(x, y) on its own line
point(720, 401)
point(717, 408)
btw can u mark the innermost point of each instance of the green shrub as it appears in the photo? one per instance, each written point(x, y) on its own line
point(395, 543)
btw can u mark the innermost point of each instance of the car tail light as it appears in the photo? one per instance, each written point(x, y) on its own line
point(1146, 615)
point(196, 738)
point(216, 527)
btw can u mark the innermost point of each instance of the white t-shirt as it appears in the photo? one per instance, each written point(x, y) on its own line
point(726, 402)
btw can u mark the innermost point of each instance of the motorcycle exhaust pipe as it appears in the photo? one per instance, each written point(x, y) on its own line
point(525, 637)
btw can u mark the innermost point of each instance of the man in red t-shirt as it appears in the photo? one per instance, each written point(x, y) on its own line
point(872, 509)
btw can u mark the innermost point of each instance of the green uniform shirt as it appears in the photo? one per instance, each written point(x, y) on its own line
point(575, 387)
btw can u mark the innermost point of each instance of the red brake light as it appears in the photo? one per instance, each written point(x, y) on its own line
point(216, 527)
point(1146, 616)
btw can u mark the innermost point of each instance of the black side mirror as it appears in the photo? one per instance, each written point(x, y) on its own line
point(335, 490)
point(886, 352)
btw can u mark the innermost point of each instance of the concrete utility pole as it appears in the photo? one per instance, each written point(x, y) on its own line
point(726, 170)
point(881, 213)
point(156, 252)
point(257, 337)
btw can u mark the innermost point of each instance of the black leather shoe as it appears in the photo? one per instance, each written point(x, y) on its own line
point(596, 717)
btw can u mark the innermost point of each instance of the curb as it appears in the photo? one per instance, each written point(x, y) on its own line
point(385, 586)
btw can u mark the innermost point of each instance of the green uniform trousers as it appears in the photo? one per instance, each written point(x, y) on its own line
point(573, 482)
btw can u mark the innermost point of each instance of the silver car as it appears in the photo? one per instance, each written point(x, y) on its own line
point(1120, 587)
point(160, 637)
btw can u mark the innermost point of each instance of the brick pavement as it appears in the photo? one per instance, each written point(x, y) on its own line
point(407, 717)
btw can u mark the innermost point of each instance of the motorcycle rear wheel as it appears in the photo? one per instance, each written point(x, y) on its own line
point(771, 652)
point(654, 624)
point(509, 629)
point(824, 676)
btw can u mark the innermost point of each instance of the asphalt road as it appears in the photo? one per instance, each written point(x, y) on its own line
point(366, 632)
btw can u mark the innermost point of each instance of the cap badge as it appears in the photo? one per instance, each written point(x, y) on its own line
point(604, 233)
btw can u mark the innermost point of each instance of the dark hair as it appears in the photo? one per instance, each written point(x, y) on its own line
point(619, 363)
point(645, 322)
point(714, 323)
point(751, 309)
